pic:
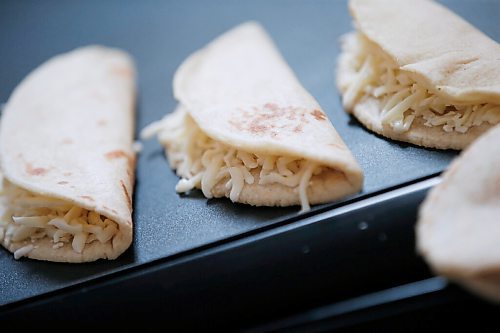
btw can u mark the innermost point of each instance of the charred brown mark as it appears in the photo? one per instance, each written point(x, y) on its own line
point(255, 127)
point(121, 71)
point(335, 145)
point(63, 182)
point(320, 116)
point(35, 171)
point(87, 197)
point(67, 174)
point(236, 124)
point(271, 106)
point(266, 119)
point(127, 195)
point(102, 122)
point(121, 154)
point(116, 154)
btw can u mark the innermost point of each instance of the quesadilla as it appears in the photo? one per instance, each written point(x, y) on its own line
point(416, 72)
point(458, 231)
point(246, 129)
point(66, 158)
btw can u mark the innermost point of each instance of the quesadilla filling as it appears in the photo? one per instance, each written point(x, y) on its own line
point(28, 217)
point(204, 163)
point(373, 74)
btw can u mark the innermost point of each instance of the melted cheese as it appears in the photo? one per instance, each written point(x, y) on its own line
point(403, 99)
point(29, 217)
point(202, 162)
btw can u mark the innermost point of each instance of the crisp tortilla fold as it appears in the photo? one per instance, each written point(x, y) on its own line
point(239, 91)
point(458, 230)
point(66, 133)
point(440, 51)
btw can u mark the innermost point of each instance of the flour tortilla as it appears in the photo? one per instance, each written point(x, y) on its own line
point(240, 91)
point(66, 133)
point(368, 113)
point(458, 231)
point(442, 51)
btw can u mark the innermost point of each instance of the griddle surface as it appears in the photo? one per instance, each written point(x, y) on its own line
point(160, 35)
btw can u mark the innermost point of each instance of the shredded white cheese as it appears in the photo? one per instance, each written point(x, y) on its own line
point(23, 251)
point(29, 217)
point(403, 99)
point(202, 162)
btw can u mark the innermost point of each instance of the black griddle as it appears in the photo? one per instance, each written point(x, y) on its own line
point(233, 265)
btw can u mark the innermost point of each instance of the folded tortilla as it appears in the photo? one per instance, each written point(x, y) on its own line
point(66, 158)
point(416, 72)
point(246, 129)
point(458, 230)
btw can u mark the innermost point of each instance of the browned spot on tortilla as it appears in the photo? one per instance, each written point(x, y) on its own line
point(67, 174)
point(236, 124)
point(334, 145)
point(304, 118)
point(35, 171)
point(121, 71)
point(121, 154)
point(87, 197)
point(62, 182)
point(256, 128)
point(127, 195)
point(102, 122)
point(292, 116)
point(266, 119)
point(271, 106)
point(116, 154)
point(66, 141)
point(318, 115)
